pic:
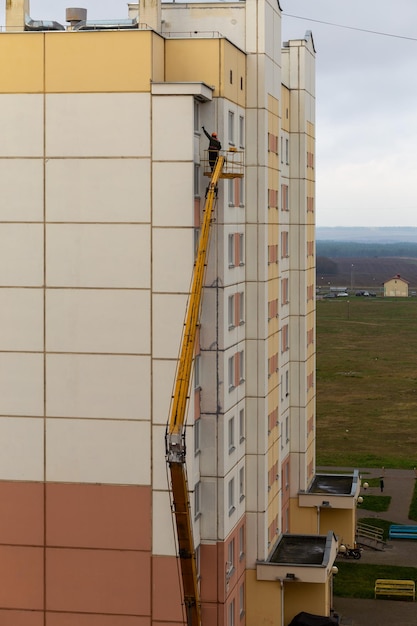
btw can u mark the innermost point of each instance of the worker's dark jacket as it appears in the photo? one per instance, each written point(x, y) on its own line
point(214, 147)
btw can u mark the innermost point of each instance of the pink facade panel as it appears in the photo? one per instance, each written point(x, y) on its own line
point(21, 618)
point(98, 516)
point(23, 522)
point(21, 578)
point(166, 590)
point(98, 581)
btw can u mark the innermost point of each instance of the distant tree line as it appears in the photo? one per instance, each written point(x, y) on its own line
point(345, 249)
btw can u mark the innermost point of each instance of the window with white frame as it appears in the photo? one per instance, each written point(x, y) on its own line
point(231, 311)
point(197, 371)
point(196, 117)
point(231, 435)
point(241, 484)
point(231, 556)
point(231, 192)
point(196, 179)
point(241, 131)
point(241, 302)
point(241, 541)
point(241, 183)
point(241, 250)
point(197, 500)
point(231, 372)
point(241, 366)
point(231, 496)
point(231, 124)
point(231, 250)
point(287, 151)
point(197, 436)
point(231, 614)
point(242, 600)
point(241, 425)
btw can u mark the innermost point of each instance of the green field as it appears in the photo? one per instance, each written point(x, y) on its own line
point(367, 382)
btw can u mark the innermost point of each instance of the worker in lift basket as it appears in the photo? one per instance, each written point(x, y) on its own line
point(214, 147)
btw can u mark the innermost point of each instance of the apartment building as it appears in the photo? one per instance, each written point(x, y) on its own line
point(103, 173)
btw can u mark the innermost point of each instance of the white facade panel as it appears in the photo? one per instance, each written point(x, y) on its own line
point(98, 190)
point(21, 202)
point(172, 259)
point(21, 125)
point(172, 194)
point(102, 255)
point(98, 451)
point(21, 448)
point(163, 375)
point(167, 324)
point(163, 541)
point(21, 384)
point(21, 319)
point(173, 128)
point(100, 320)
point(97, 124)
point(21, 255)
point(98, 386)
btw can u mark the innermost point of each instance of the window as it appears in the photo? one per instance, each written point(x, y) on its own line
point(284, 244)
point(231, 557)
point(241, 425)
point(197, 372)
point(231, 435)
point(197, 502)
point(310, 248)
point(196, 117)
point(241, 131)
point(287, 438)
point(231, 77)
point(282, 149)
point(241, 190)
point(231, 614)
point(284, 198)
point(287, 383)
point(241, 484)
point(197, 433)
point(231, 496)
point(231, 250)
point(231, 192)
point(287, 151)
point(231, 311)
point(231, 118)
point(285, 338)
point(273, 254)
point(196, 179)
point(231, 364)
point(241, 541)
point(284, 291)
point(272, 198)
point(272, 364)
point(273, 308)
point(241, 373)
point(242, 600)
point(310, 204)
point(241, 256)
point(241, 308)
point(198, 562)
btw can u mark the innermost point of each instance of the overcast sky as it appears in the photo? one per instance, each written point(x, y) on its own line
point(366, 88)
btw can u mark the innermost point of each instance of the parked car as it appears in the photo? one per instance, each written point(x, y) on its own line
point(329, 295)
point(342, 294)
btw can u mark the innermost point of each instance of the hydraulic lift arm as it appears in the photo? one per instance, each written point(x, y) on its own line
point(175, 436)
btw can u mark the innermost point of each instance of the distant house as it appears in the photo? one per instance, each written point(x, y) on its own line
point(396, 287)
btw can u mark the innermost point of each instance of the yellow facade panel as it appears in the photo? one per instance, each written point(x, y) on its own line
point(285, 112)
point(263, 601)
point(158, 59)
point(233, 64)
point(21, 62)
point(188, 60)
point(98, 61)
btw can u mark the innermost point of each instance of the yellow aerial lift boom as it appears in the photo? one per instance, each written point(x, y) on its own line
point(175, 433)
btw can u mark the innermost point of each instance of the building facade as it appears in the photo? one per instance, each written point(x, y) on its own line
point(103, 179)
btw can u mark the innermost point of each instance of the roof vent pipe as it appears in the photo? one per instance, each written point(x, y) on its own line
point(74, 16)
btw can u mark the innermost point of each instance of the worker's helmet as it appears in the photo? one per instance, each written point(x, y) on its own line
point(214, 134)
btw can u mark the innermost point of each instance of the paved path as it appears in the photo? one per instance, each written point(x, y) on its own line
point(399, 484)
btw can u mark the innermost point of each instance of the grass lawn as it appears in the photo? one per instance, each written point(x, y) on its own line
point(376, 503)
point(356, 580)
point(367, 382)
